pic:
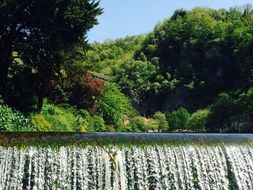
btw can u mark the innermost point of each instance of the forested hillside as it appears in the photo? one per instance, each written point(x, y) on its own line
point(102, 57)
point(193, 72)
point(198, 59)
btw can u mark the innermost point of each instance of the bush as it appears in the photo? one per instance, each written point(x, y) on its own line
point(90, 123)
point(97, 124)
point(113, 106)
point(85, 89)
point(198, 120)
point(137, 124)
point(41, 123)
point(79, 88)
point(145, 124)
point(110, 128)
point(12, 120)
point(61, 119)
point(178, 119)
point(221, 111)
point(68, 118)
point(151, 125)
point(162, 122)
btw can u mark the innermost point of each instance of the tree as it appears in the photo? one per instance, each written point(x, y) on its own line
point(198, 120)
point(113, 106)
point(162, 122)
point(39, 30)
point(139, 79)
point(206, 51)
point(221, 111)
point(178, 119)
point(85, 90)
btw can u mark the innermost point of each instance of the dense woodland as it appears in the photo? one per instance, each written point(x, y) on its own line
point(193, 72)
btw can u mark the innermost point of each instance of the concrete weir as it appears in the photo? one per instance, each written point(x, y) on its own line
point(122, 161)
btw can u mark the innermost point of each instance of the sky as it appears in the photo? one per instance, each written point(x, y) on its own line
point(132, 17)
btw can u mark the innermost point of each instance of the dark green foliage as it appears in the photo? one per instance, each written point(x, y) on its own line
point(178, 119)
point(39, 31)
point(21, 90)
point(231, 113)
point(246, 100)
point(136, 78)
point(205, 51)
point(221, 110)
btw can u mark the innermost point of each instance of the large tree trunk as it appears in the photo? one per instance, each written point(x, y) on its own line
point(40, 103)
point(42, 89)
point(41, 94)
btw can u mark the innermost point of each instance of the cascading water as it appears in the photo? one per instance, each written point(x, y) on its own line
point(121, 167)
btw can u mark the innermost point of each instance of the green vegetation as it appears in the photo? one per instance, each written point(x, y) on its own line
point(36, 37)
point(103, 57)
point(56, 140)
point(41, 123)
point(114, 105)
point(198, 120)
point(178, 119)
point(60, 118)
point(12, 120)
point(193, 72)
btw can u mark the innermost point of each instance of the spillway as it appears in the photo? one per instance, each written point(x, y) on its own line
point(208, 162)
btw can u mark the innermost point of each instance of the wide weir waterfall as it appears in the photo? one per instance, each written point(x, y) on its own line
point(145, 161)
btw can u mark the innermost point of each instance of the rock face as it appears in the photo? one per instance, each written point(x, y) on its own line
point(169, 101)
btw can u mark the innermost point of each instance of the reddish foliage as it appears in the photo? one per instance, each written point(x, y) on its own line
point(96, 86)
point(86, 90)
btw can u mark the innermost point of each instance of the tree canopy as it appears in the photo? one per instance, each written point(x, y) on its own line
point(38, 31)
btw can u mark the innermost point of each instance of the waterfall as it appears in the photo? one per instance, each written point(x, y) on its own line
point(122, 168)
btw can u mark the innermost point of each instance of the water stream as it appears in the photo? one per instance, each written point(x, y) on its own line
point(226, 166)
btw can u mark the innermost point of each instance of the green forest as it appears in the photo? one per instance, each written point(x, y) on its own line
point(192, 73)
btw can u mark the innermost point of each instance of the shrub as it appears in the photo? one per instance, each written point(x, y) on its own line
point(110, 128)
point(151, 125)
point(113, 105)
point(79, 88)
point(198, 120)
point(162, 122)
point(178, 119)
point(40, 123)
point(221, 111)
point(98, 124)
point(61, 119)
point(12, 120)
point(137, 124)
point(144, 124)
